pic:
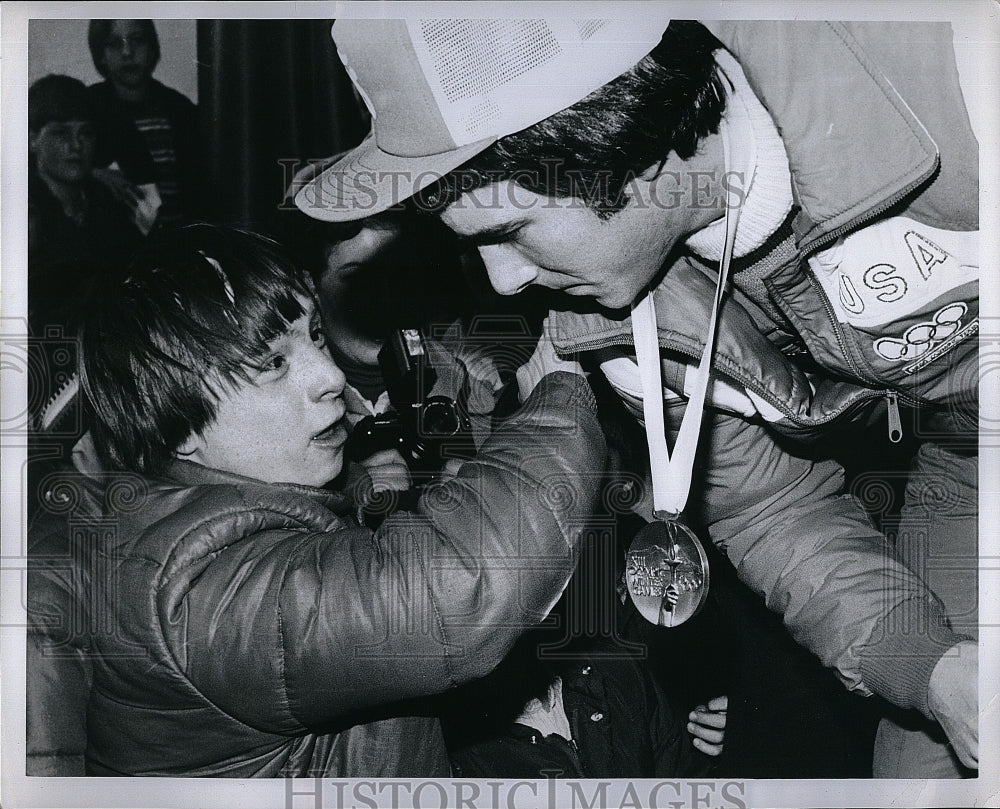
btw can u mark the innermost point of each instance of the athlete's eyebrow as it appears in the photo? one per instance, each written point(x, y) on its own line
point(494, 234)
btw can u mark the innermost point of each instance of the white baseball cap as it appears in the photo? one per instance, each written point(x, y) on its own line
point(441, 90)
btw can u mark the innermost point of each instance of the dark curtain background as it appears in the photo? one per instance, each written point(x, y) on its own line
point(270, 92)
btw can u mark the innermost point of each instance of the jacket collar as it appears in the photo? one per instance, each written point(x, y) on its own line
point(854, 145)
point(683, 306)
point(188, 473)
point(757, 154)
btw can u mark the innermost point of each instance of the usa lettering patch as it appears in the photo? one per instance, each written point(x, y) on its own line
point(895, 268)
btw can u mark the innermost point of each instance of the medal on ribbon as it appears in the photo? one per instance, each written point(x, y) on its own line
point(666, 569)
point(666, 573)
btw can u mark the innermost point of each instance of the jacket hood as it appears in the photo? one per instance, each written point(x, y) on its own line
point(876, 148)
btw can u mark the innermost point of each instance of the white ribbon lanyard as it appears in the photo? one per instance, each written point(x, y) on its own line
point(672, 476)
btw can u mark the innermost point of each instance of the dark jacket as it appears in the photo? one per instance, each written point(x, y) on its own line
point(622, 724)
point(235, 628)
point(64, 257)
point(119, 141)
point(63, 254)
point(873, 123)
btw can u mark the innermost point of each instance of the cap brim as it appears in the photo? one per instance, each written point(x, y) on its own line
point(368, 180)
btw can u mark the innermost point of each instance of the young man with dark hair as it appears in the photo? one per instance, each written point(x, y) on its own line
point(149, 130)
point(232, 618)
point(815, 165)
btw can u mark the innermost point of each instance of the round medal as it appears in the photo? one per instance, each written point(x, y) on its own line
point(666, 572)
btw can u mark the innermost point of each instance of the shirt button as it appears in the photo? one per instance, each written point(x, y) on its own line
point(596, 717)
point(585, 670)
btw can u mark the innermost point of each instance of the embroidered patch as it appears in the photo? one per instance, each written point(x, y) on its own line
point(943, 348)
point(930, 335)
point(894, 268)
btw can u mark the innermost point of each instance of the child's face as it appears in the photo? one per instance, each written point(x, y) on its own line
point(287, 426)
point(64, 150)
point(128, 54)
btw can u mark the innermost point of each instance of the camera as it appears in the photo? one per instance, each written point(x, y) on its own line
point(426, 429)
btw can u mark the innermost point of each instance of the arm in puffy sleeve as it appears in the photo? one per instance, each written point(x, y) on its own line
point(320, 625)
point(58, 659)
point(811, 552)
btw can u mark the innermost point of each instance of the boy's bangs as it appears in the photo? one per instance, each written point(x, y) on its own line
point(240, 312)
point(193, 314)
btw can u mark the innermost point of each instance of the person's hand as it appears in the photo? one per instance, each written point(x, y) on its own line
point(953, 697)
point(357, 407)
point(543, 361)
point(142, 201)
point(707, 725)
point(122, 189)
point(383, 471)
point(452, 376)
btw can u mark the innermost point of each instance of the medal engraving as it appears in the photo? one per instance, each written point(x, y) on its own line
point(666, 573)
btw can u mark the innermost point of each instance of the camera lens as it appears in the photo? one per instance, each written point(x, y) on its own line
point(438, 418)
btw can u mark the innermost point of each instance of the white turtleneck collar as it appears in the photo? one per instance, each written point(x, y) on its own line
point(759, 154)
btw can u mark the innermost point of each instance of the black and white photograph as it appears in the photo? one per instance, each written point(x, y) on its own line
point(544, 404)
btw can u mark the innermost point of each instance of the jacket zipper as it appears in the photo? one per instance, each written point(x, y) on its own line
point(892, 397)
point(751, 384)
point(895, 423)
point(835, 326)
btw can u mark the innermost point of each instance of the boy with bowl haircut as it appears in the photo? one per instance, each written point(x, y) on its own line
point(241, 623)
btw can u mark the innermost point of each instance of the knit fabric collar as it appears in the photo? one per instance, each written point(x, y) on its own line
point(757, 150)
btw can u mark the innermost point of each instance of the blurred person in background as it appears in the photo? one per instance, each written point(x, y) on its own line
point(74, 222)
point(147, 132)
point(77, 231)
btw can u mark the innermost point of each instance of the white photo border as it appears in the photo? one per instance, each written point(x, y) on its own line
point(977, 36)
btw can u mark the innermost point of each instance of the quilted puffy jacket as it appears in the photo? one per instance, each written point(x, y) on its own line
point(215, 625)
point(874, 125)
